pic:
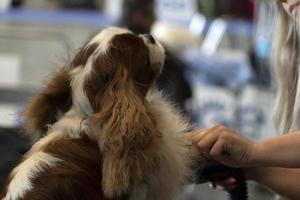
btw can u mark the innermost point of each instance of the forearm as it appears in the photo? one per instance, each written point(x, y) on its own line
point(282, 151)
point(283, 181)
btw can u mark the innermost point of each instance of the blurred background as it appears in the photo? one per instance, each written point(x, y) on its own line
point(217, 68)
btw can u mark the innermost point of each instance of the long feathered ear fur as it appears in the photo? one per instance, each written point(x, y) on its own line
point(44, 109)
point(129, 139)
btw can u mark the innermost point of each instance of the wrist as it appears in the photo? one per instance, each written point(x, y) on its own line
point(255, 155)
point(257, 173)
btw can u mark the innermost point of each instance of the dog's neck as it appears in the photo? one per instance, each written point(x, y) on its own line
point(78, 111)
point(72, 124)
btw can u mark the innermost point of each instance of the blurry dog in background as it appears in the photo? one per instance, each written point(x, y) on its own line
point(107, 134)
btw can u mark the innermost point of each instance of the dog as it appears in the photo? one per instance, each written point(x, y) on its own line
point(105, 132)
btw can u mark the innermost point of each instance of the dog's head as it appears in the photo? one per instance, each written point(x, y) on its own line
point(115, 64)
point(116, 61)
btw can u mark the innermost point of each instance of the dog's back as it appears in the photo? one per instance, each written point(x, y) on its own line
point(76, 176)
point(67, 164)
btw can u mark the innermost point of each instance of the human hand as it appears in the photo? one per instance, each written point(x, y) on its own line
point(223, 145)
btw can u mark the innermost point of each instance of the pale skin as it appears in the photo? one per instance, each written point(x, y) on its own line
point(274, 162)
point(232, 149)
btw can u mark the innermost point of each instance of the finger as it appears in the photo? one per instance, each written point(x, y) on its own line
point(195, 152)
point(190, 135)
point(193, 133)
point(206, 143)
point(202, 133)
point(195, 140)
point(199, 137)
point(217, 149)
point(197, 132)
point(206, 129)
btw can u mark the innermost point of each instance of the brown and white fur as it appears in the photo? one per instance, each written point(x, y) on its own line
point(106, 134)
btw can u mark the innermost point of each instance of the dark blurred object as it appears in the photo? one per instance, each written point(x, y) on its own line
point(79, 4)
point(213, 171)
point(12, 146)
point(231, 8)
point(173, 81)
point(261, 68)
point(234, 8)
point(138, 15)
point(16, 3)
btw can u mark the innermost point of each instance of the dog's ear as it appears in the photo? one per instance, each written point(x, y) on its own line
point(129, 138)
point(55, 98)
point(44, 109)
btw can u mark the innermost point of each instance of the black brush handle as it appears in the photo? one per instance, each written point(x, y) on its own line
point(212, 171)
point(241, 191)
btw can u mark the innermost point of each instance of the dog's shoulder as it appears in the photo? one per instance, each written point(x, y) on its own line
point(68, 169)
point(78, 174)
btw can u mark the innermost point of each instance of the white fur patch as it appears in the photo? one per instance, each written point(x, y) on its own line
point(156, 53)
point(27, 170)
point(37, 147)
point(81, 103)
point(105, 36)
point(175, 155)
point(72, 127)
point(66, 127)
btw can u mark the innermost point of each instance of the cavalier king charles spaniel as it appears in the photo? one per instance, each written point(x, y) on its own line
point(104, 132)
